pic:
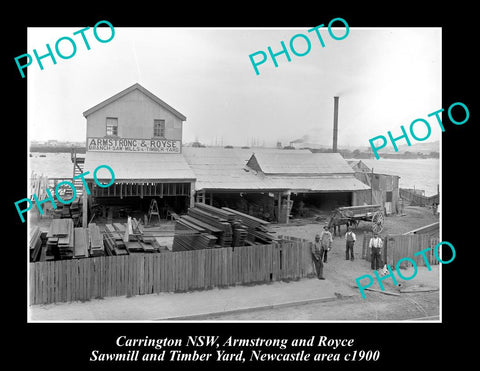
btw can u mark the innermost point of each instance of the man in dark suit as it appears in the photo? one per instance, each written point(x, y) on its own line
point(317, 255)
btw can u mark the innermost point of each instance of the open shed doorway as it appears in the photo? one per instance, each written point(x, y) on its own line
point(314, 204)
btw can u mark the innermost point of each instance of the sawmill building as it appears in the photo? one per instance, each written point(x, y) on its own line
point(140, 137)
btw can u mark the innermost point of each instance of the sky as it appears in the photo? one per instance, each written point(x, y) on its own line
point(385, 78)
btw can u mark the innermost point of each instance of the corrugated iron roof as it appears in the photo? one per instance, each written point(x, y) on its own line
point(302, 162)
point(345, 183)
point(139, 166)
point(222, 168)
point(225, 169)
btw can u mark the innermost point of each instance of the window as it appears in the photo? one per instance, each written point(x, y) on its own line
point(159, 128)
point(389, 196)
point(112, 126)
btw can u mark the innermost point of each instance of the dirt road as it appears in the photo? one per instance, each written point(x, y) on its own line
point(377, 307)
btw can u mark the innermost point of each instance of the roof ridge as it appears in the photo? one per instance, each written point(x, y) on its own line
point(128, 90)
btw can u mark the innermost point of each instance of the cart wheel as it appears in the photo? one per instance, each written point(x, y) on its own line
point(377, 222)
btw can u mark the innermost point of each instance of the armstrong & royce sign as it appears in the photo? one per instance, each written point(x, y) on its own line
point(133, 145)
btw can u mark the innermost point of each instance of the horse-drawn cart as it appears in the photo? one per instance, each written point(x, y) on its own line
point(352, 215)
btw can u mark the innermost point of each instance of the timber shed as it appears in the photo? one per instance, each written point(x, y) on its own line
point(383, 188)
point(266, 182)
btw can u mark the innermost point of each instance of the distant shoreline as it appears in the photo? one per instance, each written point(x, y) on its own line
point(57, 149)
point(345, 153)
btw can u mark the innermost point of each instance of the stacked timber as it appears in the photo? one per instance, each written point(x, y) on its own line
point(35, 244)
point(128, 238)
point(60, 239)
point(62, 211)
point(81, 243)
point(192, 236)
point(96, 240)
point(216, 217)
point(220, 213)
point(75, 211)
point(257, 229)
point(240, 234)
point(51, 251)
point(111, 247)
point(133, 230)
point(213, 227)
point(113, 240)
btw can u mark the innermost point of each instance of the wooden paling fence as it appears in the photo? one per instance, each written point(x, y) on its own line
point(400, 246)
point(138, 274)
point(418, 199)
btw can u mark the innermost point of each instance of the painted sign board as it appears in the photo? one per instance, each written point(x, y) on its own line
point(133, 145)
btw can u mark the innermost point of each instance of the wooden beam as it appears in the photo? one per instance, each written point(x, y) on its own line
point(279, 206)
point(85, 210)
point(288, 203)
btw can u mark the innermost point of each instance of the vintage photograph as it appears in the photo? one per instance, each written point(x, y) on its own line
point(231, 174)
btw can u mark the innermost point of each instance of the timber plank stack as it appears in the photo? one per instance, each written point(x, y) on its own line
point(81, 243)
point(240, 233)
point(113, 240)
point(192, 236)
point(257, 229)
point(60, 239)
point(128, 238)
point(35, 244)
point(75, 212)
point(214, 227)
point(216, 217)
point(65, 241)
point(96, 240)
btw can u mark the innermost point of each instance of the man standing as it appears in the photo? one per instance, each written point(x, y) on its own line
point(376, 245)
point(350, 239)
point(326, 240)
point(317, 252)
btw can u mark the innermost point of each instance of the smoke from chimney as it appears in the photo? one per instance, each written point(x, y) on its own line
point(335, 124)
point(301, 140)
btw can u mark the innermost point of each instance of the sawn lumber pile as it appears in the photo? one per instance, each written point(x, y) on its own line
point(64, 241)
point(128, 238)
point(88, 242)
point(60, 240)
point(96, 240)
point(36, 243)
point(206, 226)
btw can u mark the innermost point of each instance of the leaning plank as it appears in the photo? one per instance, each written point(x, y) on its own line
point(81, 243)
